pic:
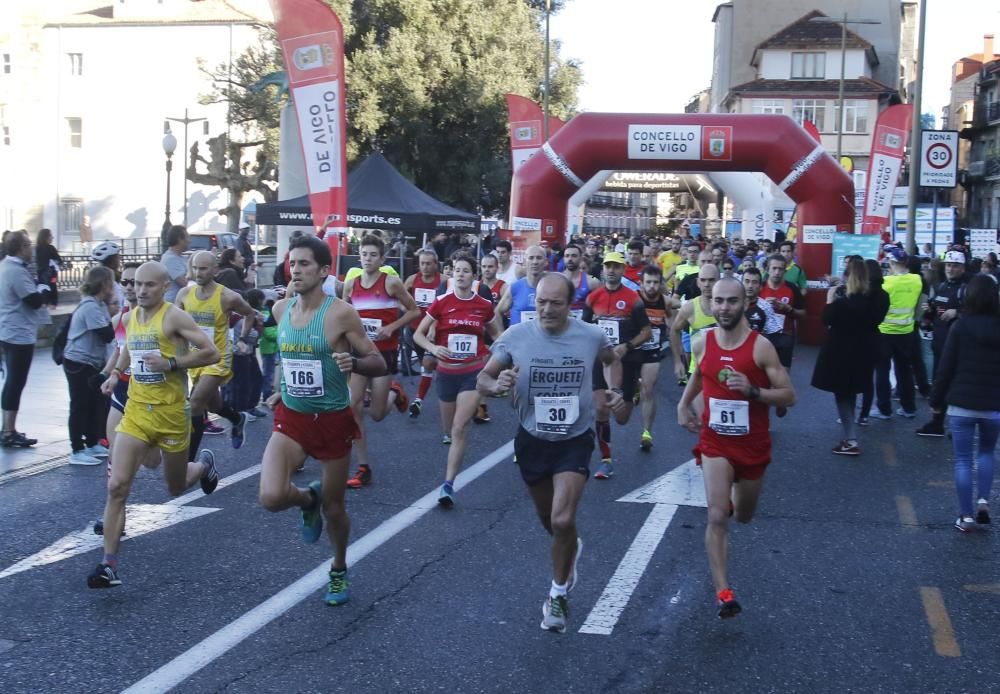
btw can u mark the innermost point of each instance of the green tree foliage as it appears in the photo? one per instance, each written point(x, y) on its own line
point(425, 85)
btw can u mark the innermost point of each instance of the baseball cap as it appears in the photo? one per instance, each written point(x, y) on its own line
point(895, 253)
point(954, 257)
point(614, 257)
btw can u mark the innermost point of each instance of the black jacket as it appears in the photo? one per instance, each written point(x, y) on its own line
point(969, 373)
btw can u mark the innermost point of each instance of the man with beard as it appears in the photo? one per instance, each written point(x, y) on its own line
point(583, 283)
point(739, 377)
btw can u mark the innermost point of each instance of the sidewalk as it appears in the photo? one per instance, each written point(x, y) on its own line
point(43, 415)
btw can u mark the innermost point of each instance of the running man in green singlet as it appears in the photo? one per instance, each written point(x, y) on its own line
point(322, 342)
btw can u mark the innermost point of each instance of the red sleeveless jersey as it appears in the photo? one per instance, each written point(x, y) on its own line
point(423, 294)
point(496, 290)
point(733, 426)
point(376, 308)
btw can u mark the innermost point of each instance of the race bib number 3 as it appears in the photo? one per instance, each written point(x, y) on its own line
point(611, 329)
point(528, 315)
point(729, 417)
point(423, 297)
point(372, 326)
point(141, 374)
point(555, 415)
point(463, 346)
point(303, 377)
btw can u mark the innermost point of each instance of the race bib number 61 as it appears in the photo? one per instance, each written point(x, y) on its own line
point(729, 417)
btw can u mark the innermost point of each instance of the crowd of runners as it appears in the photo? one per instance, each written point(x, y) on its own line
point(158, 354)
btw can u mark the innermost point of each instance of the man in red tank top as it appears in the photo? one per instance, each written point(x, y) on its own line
point(423, 287)
point(385, 307)
point(739, 376)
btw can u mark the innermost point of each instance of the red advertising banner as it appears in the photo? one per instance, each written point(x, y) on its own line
point(888, 147)
point(312, 42)
point(526, 132)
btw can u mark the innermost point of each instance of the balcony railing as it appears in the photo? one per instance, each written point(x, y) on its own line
point(993, 111)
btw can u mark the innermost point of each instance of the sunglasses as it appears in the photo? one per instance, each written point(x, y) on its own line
point(128, 283)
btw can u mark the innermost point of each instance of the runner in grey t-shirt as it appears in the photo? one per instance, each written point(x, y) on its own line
point(548, 364)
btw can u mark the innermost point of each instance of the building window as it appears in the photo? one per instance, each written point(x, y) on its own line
point(4, 128)
point(808, 66)
point(75, 127)
point(70, 215)
point(75, 64)
point(813, 110)
point(772, 106)
point(855, 116)
point(5, 63)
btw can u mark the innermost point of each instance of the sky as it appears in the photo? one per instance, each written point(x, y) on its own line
point(654, 55)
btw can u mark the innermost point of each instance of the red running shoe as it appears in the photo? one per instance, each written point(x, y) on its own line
point(402, 402)
point(728, 607)
point(361, 478)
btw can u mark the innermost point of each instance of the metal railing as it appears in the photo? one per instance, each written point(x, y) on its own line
point(74, 267)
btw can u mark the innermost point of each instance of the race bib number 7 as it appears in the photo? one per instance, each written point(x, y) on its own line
point(729, 417)
point(555, 415)
point(303, 377)
point(140, 373)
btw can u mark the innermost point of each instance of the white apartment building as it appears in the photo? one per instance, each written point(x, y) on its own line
point(86, 88)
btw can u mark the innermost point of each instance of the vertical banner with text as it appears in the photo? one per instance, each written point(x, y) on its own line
point(312, 43)
point(526, 132)
point(888, 147)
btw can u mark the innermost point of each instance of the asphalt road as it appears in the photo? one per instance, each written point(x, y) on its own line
point(851, 576)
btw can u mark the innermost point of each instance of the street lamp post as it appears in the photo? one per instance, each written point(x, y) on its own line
point(843, 68)
point(545, 124)
point(169, 145)
point(186, 121)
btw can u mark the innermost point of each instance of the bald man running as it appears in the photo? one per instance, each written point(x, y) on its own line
point(209, 304)
point(693, 319)
point(157, 336)
point(522, 292)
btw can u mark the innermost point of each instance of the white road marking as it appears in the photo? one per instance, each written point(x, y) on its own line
point(34, 469)
point(214, 646)
point(682, 486)
point(142, 519)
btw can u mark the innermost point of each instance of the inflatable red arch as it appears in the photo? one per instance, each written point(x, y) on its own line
point(701, 142)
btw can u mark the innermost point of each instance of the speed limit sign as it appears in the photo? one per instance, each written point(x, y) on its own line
point(939, 158)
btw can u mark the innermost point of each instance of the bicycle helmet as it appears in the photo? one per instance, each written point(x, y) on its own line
point(104, 250)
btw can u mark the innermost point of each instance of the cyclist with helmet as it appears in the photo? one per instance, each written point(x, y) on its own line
point(108, 254)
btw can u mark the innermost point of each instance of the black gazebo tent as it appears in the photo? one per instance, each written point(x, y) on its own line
point(378, 197)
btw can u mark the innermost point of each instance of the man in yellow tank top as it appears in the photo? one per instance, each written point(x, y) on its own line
point(209, 304)
point(156, 415)
point(695, 321)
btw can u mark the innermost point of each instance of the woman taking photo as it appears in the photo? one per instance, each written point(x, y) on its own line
point(48, 261)
point(460, 320)
point(90, 332)
point(968, 381)
point(846, 361)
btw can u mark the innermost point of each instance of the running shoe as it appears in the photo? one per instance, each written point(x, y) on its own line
point(964, 523)
point(415, 407)
point(311, 522)
point(83, 458)
point(446, 499)
point(862, 421)
point(682, 381)
point(103, 577)
point(237, 433)
point(847, 448)
point(605, 471)
point(258, 412)
point(932, 429)
point(983, 513)
point(98, 451)
point(213, 429)
point(402, 402)
point(646, 442)
point(15, 439)
point(251, 417)
point(209, 478)
point(573, 575)
point(903, 413)
point(878, 414)
point(337, 591)
point(554, 613)
point(482, 416)
point(361, 478)
point(445, 439)
point(728, 607)
point(636, 398)
point(99, 528)
point(780, 411)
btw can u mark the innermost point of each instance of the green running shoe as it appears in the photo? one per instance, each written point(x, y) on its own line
point(311, 523)
point(337, 591)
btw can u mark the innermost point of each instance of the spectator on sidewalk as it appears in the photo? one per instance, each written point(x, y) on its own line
point(242, 392)
point(48, 262)
point(21, 301)
point(90, 332)
point(232, 272)
point(268, 351)
point(108, 254)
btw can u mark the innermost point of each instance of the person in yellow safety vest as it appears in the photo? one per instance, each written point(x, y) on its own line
point(896, 343)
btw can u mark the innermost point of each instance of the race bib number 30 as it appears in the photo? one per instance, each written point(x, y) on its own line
point(372, 326)
point(729, 417)
point(303, 377)
point(463, 346)
point(555, 415)
point(140, 373)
